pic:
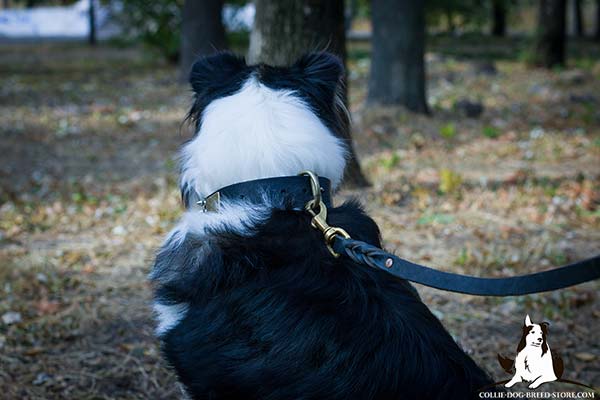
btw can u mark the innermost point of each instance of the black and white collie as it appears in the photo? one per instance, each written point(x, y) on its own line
point(535, 362)
point(250, 303)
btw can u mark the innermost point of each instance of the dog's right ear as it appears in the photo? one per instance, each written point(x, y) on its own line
point(322, 72)
point(528, 321)
point(215, 72)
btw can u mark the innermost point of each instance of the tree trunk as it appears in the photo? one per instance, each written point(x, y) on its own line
point(284, 30)
point(550, 40)
point(351, 14)
point(450, 21)
point(202, 32)
point(92, 21)
point(397, 63)
point(597, 33)
point(499, 18)
point(578, 26)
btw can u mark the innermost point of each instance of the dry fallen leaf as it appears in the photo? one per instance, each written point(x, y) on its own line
point(46, 307)
point(584, 356)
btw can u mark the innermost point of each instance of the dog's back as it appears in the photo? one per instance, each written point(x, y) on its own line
point(273, 316)
point(250, 303)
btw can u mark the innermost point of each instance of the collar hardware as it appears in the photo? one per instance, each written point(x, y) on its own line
point(285, 191)
point(318, 210)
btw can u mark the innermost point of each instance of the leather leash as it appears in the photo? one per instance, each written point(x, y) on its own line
point(339, 243)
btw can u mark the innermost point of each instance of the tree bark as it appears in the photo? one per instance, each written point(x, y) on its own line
point(92, 22)
point(550, 40)
point(284, 30)
point(597, 33)
point(578, 26)
point(397, 63)
point(202, 32)
point(350, 13)
point(499, 18)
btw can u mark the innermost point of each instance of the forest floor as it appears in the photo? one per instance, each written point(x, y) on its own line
point(88, 190)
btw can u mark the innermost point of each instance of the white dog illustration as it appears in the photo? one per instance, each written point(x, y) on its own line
point(534, 362)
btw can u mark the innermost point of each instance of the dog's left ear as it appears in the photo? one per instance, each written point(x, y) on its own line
point(322, 71)
point(215, 72)
point(545, 325)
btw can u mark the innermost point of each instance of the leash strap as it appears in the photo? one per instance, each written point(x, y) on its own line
point(558, 278)
point(339, 242)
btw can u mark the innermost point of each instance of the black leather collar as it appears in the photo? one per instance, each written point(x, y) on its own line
point(292, 191)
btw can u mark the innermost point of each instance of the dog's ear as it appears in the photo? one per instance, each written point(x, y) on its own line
point(216, 71)
point(545, 325)
point(321, 70)
point(528, 321)
point(213, 77)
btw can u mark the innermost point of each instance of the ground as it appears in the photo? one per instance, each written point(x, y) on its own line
point(89, 137)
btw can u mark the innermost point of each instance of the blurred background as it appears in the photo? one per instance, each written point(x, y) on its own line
point(476, 137)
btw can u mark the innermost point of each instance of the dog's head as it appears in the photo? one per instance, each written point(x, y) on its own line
point(534, 335)
point(258, 121)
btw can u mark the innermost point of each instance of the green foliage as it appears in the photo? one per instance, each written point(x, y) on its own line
point(435, 219)
point(452, 14)
point(155, 23)
point(392, 161)
point(448, 131)
point(463, 257)
point(490, 131)
point(450, 181)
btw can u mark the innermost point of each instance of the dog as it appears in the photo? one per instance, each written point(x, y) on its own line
point(250, 303)
point(535, 362)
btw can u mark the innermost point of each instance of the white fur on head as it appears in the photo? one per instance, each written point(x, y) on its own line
point(528, 321)
point(258, 133)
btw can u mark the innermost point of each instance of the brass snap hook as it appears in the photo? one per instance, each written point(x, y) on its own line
point(317, 209)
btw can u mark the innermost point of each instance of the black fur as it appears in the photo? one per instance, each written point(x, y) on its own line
point(272, 315)
point(275, 316)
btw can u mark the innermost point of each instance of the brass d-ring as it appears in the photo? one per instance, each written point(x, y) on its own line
point(315, 187)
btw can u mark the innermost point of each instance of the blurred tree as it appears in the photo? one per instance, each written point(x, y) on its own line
point(499, 8)
point(454, 14)
point(577, 19)
point(549, 48)
point(397, 62)
point(597, 34)
point(157, 23)
point(202, 31)
point(92, 22)
point(286, 29)
point(350, 13)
